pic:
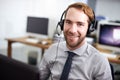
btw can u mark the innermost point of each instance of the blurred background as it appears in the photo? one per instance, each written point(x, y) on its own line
point(14, 13)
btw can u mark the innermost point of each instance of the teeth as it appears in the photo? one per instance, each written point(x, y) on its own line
point(72, 36)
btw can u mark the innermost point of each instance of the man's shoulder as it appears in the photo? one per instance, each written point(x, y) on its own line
point(92, 49)
point(96, 53)
point(52, 50)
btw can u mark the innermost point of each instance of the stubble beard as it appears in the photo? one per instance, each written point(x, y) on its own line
point(76, 44)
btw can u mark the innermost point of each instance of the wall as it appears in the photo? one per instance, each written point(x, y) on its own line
point(13, 15)
point(108, 8)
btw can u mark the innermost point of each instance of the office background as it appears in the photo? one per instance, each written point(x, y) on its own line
point(13, 14)
point(13, 17)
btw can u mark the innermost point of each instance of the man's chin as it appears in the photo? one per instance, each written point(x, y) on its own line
point(72, 44)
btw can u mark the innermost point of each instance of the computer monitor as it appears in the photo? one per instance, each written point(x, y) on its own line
point(108, 36)
point(37, 27)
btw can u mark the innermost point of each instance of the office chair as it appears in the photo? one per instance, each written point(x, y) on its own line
point(11, 69)
point(112, 71)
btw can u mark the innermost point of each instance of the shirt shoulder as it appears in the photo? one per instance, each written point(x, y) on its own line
point(96, 54)
point(52, 51)
point(55, 46)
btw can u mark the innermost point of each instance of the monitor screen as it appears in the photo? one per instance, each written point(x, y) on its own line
point(109, 35)
point(37, 26)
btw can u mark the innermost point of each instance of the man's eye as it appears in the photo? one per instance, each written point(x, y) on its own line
point(67, 22)
point(80, 24)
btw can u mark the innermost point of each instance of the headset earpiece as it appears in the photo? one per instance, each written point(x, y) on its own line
point(61, 24)
point(91, 27)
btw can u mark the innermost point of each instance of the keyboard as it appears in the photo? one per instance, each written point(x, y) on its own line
point(33, 40)
point(109, 55)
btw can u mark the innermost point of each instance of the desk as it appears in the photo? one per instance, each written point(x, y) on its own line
point(43, 47)
point(23, 40)
point(111, 59)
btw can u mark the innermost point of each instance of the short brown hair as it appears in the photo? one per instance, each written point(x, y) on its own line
point(85, 8)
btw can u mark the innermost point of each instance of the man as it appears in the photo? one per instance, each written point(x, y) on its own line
point(87, 63)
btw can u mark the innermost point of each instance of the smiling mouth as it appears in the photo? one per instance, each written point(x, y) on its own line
point(72, 37)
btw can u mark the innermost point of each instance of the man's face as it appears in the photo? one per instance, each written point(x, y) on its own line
point(75, 28)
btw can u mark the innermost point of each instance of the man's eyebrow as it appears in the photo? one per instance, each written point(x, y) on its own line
point(81, 22)
point(67, 19)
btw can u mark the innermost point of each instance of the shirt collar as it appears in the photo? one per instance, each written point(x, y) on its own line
point(78, 51)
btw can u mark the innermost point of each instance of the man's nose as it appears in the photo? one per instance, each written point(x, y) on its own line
point(73, 28)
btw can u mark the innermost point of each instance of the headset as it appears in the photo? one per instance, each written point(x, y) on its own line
point(91, 26)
